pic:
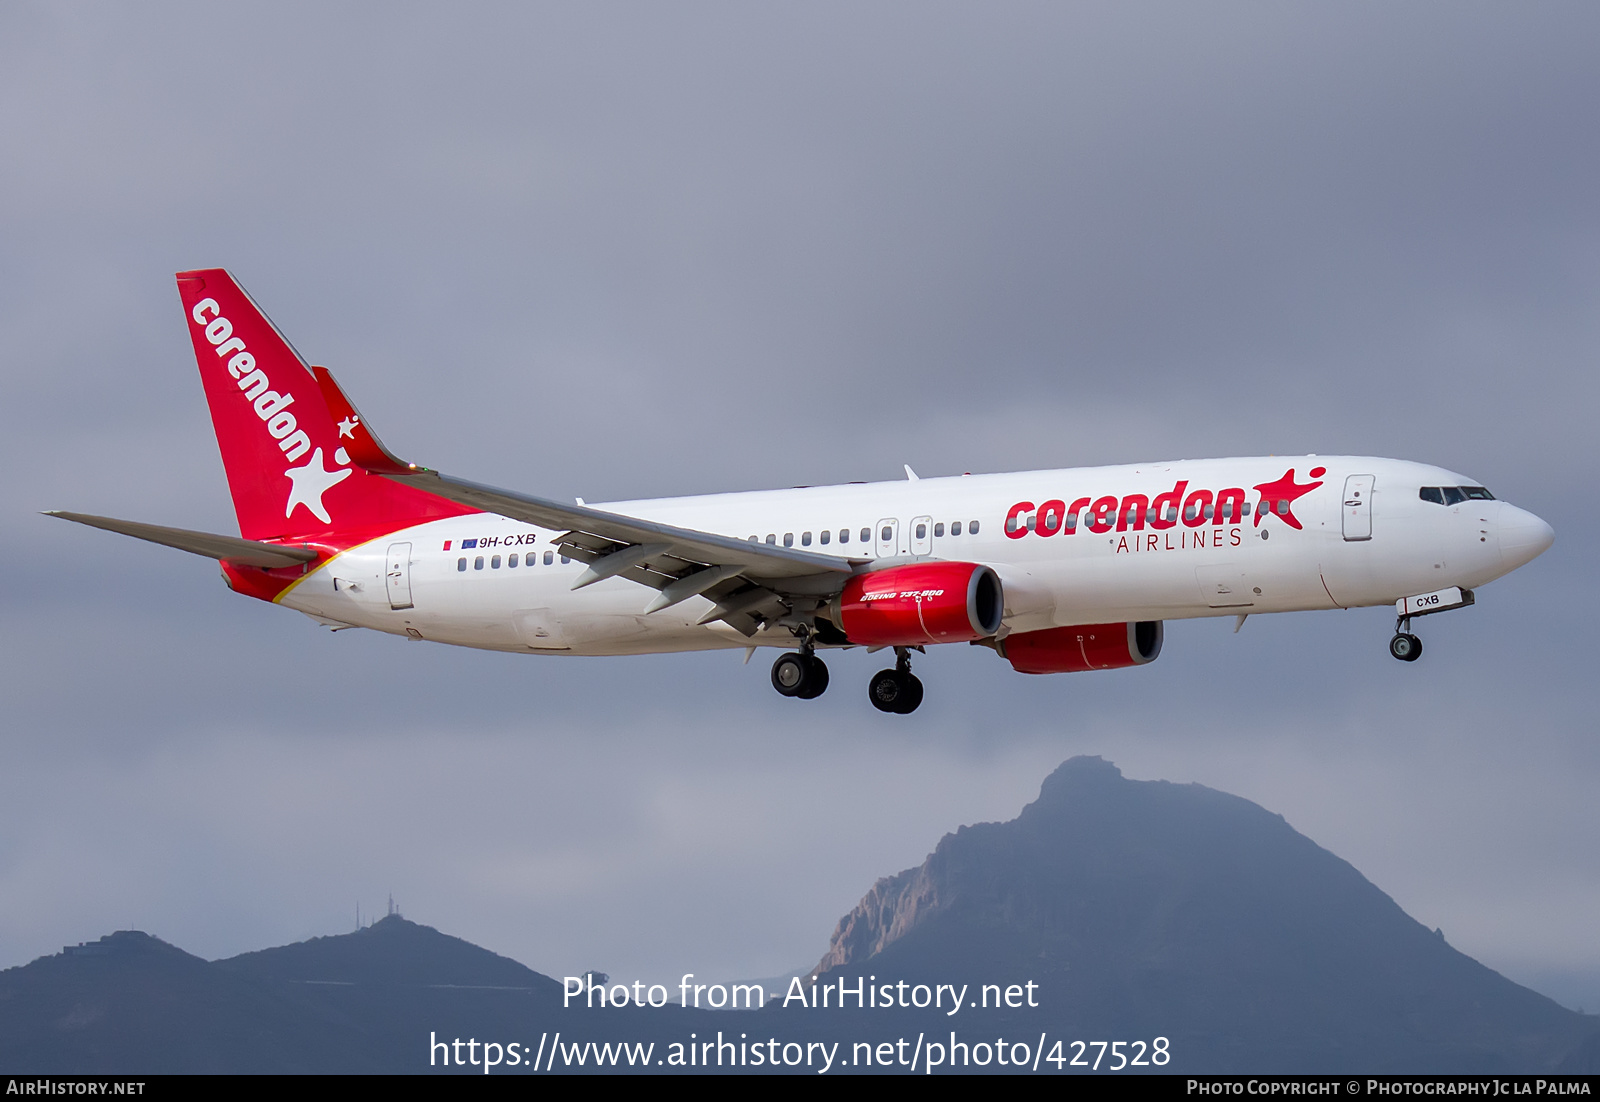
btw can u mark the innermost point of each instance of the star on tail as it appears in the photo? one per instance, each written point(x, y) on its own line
point(310, 483)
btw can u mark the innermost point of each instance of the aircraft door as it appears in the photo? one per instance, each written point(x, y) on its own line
point(887, 540)
point(922, 535)
point(1357, 509)
point(397, 575)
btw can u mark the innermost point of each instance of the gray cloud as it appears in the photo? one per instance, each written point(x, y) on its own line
point(620, 252)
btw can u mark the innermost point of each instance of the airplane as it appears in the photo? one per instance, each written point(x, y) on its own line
point(1056, 571)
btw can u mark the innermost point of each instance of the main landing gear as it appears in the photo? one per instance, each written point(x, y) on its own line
point(802, 674)
point(897, 691)
point(1404, 645)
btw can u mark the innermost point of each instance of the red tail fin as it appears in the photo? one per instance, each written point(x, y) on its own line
point(287, 467)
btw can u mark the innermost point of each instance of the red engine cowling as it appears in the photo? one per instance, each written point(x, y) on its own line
point(1084, 647)
point(920, 603)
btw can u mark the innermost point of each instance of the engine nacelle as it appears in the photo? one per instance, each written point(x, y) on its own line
point(1084, 647)
point(920, 603)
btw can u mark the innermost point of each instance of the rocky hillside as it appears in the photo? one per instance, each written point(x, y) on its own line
point(1158, 908)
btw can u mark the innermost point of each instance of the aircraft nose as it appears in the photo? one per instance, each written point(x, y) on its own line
point(1523, 536)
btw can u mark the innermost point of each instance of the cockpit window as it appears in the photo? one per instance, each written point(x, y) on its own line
point(1454, 495)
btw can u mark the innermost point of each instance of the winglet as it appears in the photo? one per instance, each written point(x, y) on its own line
point(360, 442)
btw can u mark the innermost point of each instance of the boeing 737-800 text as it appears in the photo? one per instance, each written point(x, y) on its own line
point(1056, 571)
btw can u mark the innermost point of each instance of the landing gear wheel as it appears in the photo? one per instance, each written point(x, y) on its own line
point(885, 690)
point(913, 695)
point(799, 674)
point(789, 674)
point(895, 692)
point(816, 682)
point(1405, 646)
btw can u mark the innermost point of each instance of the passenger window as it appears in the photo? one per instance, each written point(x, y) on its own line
point(1208, 512)
point(494, 563)
point(548, 555)
point(826, 535)
point(565, 560)
point(512, 561)
point(1072, 521)
point(955, 529)
point(788, 539)
point(972, 528)
point(461, 563)
point(887, 534)
point(805, 539)
point(772, 539)
point(844, 535)
point(477, 563)
point(866, 535)
point(1283, 508)
point(938, 530)
point(1246, 508)
point(922, 531)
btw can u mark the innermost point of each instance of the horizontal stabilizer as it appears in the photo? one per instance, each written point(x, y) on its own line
point(232, 548)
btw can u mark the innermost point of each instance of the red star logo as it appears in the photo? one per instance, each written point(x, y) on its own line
point(1285, 491)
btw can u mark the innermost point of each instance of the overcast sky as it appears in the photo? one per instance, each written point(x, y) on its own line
point(626, 250)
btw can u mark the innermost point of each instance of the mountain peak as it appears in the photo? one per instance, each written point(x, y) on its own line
point(1174, 907)
point(393, 951)
point(124, 943)
point(1083, 773)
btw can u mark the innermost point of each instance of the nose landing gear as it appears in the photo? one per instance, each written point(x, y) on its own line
point(1404, 645)
point(897, 691)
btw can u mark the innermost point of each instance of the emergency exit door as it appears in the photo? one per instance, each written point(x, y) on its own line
point(397, 575)
point(886, 540)
point(1358, 507)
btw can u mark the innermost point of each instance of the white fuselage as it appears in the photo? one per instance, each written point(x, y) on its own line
point(1125, 563)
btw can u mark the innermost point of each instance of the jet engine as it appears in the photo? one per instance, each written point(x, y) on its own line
point(1083, 647)
point(920, 603)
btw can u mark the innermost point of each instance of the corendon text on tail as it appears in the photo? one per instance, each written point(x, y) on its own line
point(1055, 571)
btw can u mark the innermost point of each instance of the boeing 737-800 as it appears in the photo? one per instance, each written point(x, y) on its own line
point(1055, 571)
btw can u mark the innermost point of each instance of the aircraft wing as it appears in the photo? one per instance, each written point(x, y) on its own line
point(596, 530)
point(746, 582)
point(230, 548)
